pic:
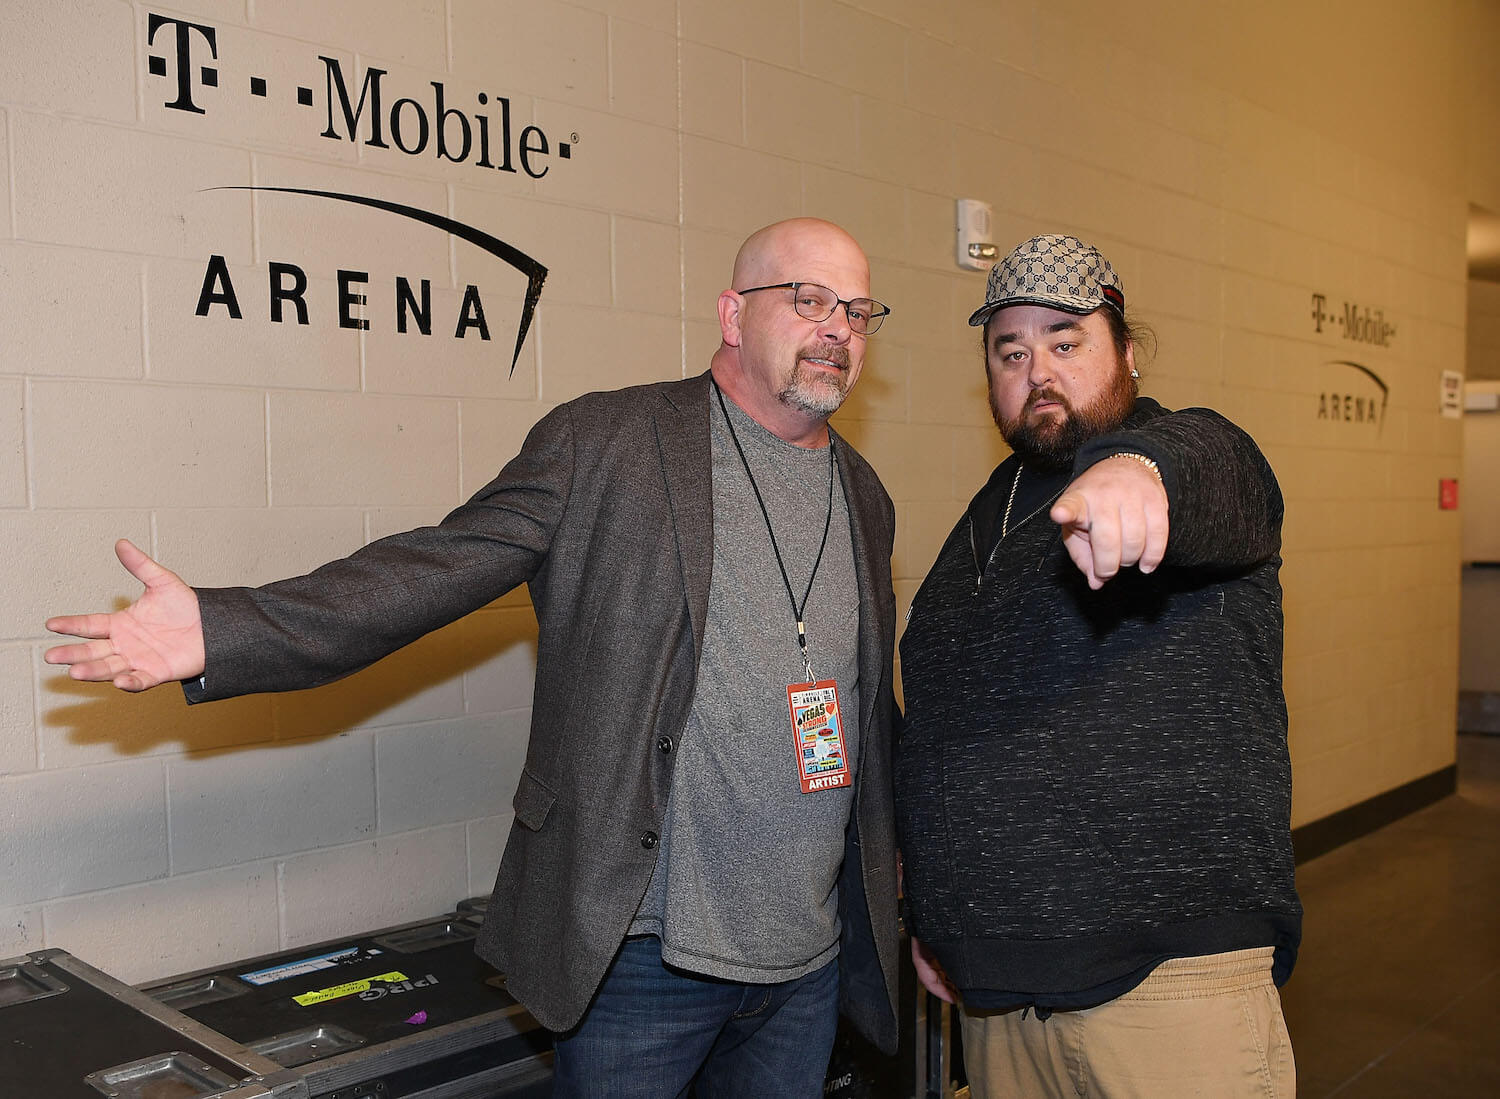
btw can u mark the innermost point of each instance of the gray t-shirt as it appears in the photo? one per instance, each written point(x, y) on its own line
point(746, 880)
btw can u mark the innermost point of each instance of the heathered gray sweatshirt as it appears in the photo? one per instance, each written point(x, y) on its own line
point(1092, 781)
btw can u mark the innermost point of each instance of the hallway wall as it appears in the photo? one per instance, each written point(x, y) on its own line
point(1283, 187)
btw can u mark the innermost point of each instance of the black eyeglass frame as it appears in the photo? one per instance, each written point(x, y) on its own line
point(877, 314)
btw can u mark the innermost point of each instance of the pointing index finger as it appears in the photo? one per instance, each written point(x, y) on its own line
point(1071, 509)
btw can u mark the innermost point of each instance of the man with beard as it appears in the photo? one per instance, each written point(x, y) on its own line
point(702, 866)
point(1093, 789)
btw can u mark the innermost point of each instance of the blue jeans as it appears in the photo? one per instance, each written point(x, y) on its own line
point(653, 1031)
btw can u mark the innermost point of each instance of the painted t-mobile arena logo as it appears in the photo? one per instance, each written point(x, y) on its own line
point(1351, 392)
point(184, 55)
point(416, 126)
point(288, 282)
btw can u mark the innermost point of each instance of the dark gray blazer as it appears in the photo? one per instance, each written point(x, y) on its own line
point(607, 513)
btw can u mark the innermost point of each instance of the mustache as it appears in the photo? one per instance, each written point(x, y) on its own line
point(830, 351)
point(1037, 396)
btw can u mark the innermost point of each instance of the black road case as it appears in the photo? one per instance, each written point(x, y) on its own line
point(408, 1012)
point(69, 1031)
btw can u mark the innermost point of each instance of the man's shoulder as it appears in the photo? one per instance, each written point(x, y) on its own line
point(612, 416)
point(1196, 426)
point(610, 404)
point(1147, 409)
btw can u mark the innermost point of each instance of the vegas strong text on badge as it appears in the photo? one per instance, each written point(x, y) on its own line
point(818, 734)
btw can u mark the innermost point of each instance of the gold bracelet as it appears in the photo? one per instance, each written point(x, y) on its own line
point(1145, 461)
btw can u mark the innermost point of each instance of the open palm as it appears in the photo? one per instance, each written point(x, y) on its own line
point(158, 638)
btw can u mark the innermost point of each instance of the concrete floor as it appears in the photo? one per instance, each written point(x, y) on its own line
point(1396, 993)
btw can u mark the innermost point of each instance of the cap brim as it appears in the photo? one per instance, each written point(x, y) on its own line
point(1077, 306)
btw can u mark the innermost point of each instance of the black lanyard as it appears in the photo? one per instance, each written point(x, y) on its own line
point(797, 609)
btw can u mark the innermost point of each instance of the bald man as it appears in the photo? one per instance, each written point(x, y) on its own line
point(701, 871)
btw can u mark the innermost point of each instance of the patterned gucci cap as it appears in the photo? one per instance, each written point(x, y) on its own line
point(1056, 271)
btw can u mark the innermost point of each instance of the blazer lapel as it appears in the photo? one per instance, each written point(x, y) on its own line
point(687, 467)
point(864, 525)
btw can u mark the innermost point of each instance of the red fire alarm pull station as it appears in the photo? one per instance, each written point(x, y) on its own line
point(1448, 493)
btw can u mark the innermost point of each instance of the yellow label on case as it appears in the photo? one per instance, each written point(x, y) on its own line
point(351, 988)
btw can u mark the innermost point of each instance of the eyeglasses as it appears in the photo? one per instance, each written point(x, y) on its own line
point(817, 303)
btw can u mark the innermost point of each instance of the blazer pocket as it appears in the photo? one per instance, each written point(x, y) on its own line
point(533, 801)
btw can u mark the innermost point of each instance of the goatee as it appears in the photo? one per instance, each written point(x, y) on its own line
point(814, 390)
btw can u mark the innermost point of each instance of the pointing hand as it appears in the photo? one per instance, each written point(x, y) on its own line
point(1113, 515)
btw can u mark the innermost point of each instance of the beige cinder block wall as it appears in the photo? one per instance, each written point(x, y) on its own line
point(1232, 164)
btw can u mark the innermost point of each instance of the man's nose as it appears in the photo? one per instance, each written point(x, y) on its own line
point(836, 328)
point(1040, 372)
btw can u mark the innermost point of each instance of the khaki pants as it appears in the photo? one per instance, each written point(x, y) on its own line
point(1208, 1026)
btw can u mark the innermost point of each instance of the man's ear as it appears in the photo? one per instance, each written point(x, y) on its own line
point(730, 305)
point(1130, 358)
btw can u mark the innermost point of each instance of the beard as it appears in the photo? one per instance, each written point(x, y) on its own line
point(816, 391)
point(1051, 444)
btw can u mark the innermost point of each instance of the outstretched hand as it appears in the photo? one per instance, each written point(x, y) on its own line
point(1113, 515)
point(158, 638)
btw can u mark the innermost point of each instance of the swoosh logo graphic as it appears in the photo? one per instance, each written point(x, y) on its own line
point(1385, 390)
point(535, 273)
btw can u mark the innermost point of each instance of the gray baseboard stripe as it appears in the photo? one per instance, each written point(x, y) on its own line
point(1321, 836)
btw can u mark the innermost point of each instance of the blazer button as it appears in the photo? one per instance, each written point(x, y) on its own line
point(649, 840)
point(664, 743)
